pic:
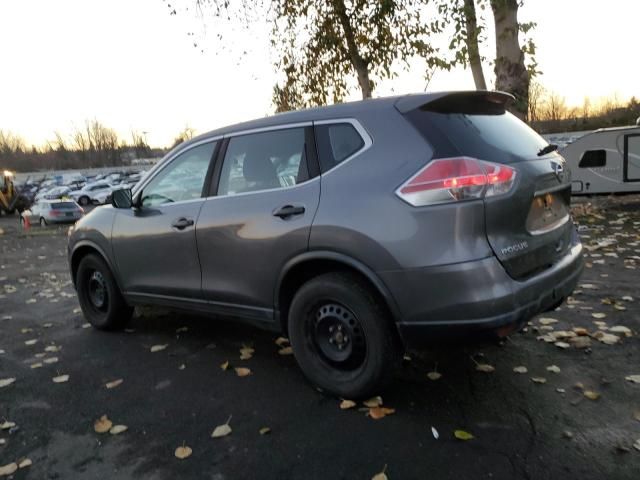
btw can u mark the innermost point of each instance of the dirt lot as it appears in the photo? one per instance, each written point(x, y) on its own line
point(572, 414)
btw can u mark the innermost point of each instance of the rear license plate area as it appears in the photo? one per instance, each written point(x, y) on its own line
point(548, 211)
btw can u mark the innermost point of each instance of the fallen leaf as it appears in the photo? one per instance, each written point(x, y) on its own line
point(598, 315)
point(591, 395)
point(636, 444)
point(117, 429)
point(462, 435)
point(380, 412)
point(434, 375)
point(264, 431)
point(6, 425)
point(60, 379)
point(5, 382)
point(580, 331)
point(627, 298)
point(158, 348)
point(538, 379)
point(485, 367)
point(8, 469)
point(286, 351)
point(347, 404)
point(222, 430)
point(183, 452)
point(606, 338)
point(553, 368)
point(50, 360)
point(52, 349)
point(373, 402)
point(562, 345)
point(33, 341)
point(636, 415)
point(25, 463)
point(580, 342)
point(382, 475)
point(621, 329)
point(243, 372)
point(114, 384)
point(182, 329)
point(521, 369)
point(36, 365)
point(224, 365)
point(280, 341)
point(547, 321)
point(102, 425)
point(182, 366)
point(633, 378)
point(246, 353)
point(435, 433)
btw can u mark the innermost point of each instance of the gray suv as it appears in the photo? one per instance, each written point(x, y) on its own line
point(357, 230)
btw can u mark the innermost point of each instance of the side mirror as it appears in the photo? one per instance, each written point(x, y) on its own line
point(122, 198)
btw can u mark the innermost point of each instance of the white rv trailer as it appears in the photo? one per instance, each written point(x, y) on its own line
point(605, 161)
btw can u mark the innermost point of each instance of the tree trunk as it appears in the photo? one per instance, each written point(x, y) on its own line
point(472, 45)
point(511, 73)
point(359, 64)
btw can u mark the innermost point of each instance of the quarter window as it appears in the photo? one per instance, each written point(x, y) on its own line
point(183, 179)
point(264, 161)
point(336, 143)
point(593, 159)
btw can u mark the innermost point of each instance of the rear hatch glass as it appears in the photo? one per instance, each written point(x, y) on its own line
point(63, 206)
point(528, 228)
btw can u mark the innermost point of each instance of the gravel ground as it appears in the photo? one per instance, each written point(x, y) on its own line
point(572, 414)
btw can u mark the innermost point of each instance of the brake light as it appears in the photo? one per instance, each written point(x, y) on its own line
point(453, 179)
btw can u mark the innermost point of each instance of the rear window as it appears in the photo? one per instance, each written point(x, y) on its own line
point(336, 142)
point(63, 206)
point(490, 133)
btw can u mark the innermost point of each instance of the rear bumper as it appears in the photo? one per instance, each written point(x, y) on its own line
point(476, 297)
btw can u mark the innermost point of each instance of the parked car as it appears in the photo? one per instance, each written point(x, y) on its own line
point(44, 212)
point(54, 193)
point(407, 219)
point(90, 193)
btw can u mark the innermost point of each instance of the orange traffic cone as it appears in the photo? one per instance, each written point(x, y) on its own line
point(26, 224)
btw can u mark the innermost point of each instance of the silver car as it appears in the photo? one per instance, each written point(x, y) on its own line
point(44, 212)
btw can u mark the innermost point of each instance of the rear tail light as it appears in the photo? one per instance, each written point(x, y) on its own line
point(453, 179)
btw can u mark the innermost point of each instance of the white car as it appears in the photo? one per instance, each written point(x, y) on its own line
point(54, 193)
point(91, 193)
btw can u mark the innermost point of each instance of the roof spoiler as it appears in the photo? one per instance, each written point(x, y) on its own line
point(455, 102)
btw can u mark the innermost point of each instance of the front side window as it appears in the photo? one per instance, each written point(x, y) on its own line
point(264, 161)
point(183, 179)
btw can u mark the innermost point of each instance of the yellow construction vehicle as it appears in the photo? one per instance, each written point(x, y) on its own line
point(10, 199)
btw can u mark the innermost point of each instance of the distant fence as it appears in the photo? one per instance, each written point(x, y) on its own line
point(141, 164)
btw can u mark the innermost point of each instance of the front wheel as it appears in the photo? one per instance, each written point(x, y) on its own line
point(100, 299)
point(342, 336)
point(84, 201)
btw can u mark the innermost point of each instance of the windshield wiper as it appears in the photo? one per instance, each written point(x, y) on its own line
point(552, 147)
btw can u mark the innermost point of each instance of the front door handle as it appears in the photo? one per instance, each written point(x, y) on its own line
point(182, 223)
point(288, 211)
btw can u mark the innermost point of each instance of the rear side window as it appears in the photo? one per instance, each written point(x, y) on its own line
point(264, 161)
point(336, 142)
point(490, 133)
point(593, 159)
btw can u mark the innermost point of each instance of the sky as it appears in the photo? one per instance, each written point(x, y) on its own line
point(133, 66)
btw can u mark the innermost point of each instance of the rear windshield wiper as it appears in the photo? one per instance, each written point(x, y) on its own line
point(552, 147)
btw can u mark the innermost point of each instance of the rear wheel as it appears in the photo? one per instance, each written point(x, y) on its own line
point(342, 336)
point(84, 200)
point(100, 299)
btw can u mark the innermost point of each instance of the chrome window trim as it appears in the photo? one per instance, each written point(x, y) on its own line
point(276, 189)
point(368, 141)
point(145, 181)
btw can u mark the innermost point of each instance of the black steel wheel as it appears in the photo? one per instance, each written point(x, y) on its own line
point(100, 299)
point(342, 336)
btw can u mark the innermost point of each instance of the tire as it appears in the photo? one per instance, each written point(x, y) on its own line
point(43, 222)
point(342, 336)
point(100, 299)
point(84, 201)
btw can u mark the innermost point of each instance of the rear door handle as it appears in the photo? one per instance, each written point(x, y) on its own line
point(288, 211)
point(182, 223)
